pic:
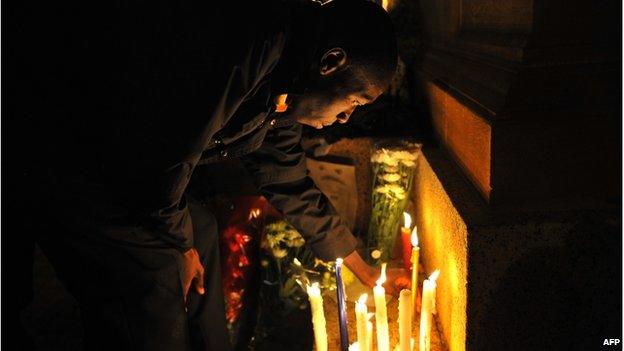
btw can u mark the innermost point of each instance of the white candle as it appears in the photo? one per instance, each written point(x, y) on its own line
point(405, 320)
point(381, 314)
point(318, 317)
point(369, 335)
point(427, 307)
point(361, 318)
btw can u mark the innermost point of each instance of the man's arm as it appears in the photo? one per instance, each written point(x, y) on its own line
point(280, 172)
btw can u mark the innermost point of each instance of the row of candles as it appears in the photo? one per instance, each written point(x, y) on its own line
point(407, 307)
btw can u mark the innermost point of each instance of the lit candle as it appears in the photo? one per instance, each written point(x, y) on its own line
point(427, 307)
point(369, 335)
point(405, 320)
point(318, 317)
point(342, 307)
point(361, 318)
point(381, 314)
point(405, 240)
point(415, 258)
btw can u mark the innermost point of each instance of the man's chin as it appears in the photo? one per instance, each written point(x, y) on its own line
point(314, 123)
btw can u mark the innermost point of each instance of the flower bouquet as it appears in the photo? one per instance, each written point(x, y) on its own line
point(393, 167)
point(287, 267)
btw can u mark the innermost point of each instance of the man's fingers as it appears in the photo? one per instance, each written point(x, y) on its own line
point(199, 280)
point(193, 273)
point(187, 286)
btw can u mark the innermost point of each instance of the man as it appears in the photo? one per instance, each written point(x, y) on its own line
point(131, 99)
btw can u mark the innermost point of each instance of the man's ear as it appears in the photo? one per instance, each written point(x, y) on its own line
point(333, 60)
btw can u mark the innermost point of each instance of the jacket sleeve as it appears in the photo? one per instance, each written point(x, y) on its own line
point(163, 207)
point(279, 169)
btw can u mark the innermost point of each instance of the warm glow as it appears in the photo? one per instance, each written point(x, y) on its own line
point(434, 276)
point(363, 298)
point(414, 237)
point(385, 4)
point(382, 278)
point(355, 346)
point(254, 213)
point(339, 262)
point(407, 220)
point(443, 234)
point(297, 262)
point(280, 103)
point(281, 99)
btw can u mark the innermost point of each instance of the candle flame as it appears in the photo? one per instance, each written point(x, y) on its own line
point(434, 276)
point(407, 220)
point(414, 238)
point(313, 289)
point(363, 298)
point(382, 278)
point(296, 262)
point(338, 262)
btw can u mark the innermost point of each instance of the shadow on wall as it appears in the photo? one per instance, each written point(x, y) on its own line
point(563, 298)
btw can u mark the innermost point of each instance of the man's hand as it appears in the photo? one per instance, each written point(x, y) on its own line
point(396, 278)
point(192, 272)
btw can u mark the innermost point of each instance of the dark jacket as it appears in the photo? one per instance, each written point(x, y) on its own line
point(148, 92)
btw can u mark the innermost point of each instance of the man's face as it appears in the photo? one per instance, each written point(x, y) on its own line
point(327, 103)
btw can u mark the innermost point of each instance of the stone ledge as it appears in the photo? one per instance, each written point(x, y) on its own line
point(506, 268)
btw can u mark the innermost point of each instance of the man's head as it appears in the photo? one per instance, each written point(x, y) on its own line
point(355, 63)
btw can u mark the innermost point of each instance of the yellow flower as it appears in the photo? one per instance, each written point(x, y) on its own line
point(298, 242)
point(390, 161)
point(404, 155)
point(397, 191)
point(326, 280)
point(279, 253)
point(275, 239)
point(293, 238)
point(392, 177)
point(377, 157)
point(384, 189)
point(347, 276)
point(408, 163)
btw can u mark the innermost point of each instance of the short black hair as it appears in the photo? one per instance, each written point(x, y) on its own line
point(364, 30)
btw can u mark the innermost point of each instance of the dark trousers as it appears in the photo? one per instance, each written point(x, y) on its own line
point(131, 296)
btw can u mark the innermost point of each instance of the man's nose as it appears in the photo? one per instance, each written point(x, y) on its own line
point(343, 117)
